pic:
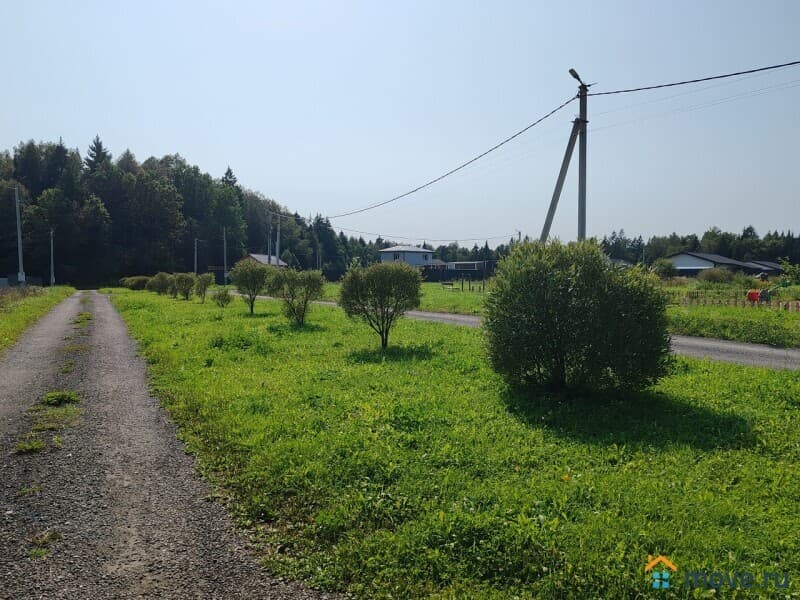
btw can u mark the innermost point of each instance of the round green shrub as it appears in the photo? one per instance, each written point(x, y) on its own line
point(159, 283)
point(563, 316)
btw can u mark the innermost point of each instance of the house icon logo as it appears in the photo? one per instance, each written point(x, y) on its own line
point(659, 576)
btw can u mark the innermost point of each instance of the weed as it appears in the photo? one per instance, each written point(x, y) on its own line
point(21, 308)
point(30, 445)
point(53, 418)
point(67, 367)
point(29, 491)
point(57, 441)
point(37, 553)
point(83, 319)
point(60, 397)
point(70, 348)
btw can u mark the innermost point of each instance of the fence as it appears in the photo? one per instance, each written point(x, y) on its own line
point(792, 305)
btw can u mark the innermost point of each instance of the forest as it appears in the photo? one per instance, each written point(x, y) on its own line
point(112, 218)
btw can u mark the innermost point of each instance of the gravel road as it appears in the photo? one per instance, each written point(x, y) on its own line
point(118, 508)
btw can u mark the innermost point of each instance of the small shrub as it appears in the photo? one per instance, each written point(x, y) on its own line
point(715, 275)
point(184, 284)
point(202, 284)
point(172, 286)
point(30, 445)
point(137, 282)
point(250, 278)
point(380, 294)
point(664, 268)
point(222, 297)
point(159, 283)
point(562, 316)
point(297, 289)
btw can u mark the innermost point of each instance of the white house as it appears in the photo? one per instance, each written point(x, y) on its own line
point(267, 259)
point(411, 255)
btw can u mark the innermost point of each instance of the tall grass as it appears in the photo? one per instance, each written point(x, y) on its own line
point(416, 472)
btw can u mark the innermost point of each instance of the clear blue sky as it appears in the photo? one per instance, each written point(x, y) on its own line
point(330, 106)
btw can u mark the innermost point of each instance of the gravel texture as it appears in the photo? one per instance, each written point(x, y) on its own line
point(118, 509)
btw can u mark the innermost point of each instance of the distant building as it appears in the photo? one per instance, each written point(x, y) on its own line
point(411, 255)
point(267, 259)
point(692, 263)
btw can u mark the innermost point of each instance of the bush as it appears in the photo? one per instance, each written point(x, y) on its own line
point(202, 284)
point(380, 294)
point(664, 268)
point(297, 289)
point(715, 275)
point(159, 283)
point(172, 286)
point(791, 272)
point(137, 282)
point(184, 284)
point(222, 297)
point(250, 278)
point(563, 316)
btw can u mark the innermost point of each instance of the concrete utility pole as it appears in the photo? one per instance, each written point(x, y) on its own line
point(21, 273)
point(582, 91)
point(224, 256)
point(578, 133)
point(269, 235)
point(195, 252)
point(52, 263)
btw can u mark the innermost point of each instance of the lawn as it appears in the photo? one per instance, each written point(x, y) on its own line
point(418, 473)
point(19, 310)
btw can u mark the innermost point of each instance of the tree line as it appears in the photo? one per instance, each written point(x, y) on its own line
point(113, 218)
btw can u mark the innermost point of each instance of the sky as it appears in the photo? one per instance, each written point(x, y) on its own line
point(328, 107)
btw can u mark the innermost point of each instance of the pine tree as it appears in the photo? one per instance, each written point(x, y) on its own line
point(97, 155)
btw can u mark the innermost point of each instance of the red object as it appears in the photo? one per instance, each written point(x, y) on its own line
point(752, 295)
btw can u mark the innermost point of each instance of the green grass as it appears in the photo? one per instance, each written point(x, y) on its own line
point(17, 314)
point(82, 319)
point(31, 444)
point(417, 472)
point(54, 418)
point(742, 324)
point(28, 491)
point(436, 298)
point(60, 397)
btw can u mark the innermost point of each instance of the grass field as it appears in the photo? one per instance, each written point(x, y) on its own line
point(743, 324)
point(418, 473)
point(17, 311)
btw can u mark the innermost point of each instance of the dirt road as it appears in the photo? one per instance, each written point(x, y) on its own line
point(112, 506)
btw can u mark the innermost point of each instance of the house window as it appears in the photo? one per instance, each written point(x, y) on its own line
point(424, 257)
point(397, 256)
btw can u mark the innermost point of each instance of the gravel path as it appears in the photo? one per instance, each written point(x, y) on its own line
point(118, 508)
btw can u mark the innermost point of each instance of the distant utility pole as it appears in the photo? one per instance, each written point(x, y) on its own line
point(195, 252)
point(224, 256)
point(21, 273)
point(578, 133)
point(269, 236)
point(278, 242)
point(52, 263)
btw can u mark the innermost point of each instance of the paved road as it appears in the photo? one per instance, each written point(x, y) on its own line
point(116, 500)
point(753, 355)
point(756, 355)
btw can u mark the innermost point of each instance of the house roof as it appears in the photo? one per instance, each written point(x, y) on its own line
point(406, 249)
point(717, 259)
point(268, 259)
point(437, 262)
point(768, 264)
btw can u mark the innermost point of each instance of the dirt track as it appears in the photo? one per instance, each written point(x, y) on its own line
point(126, 513)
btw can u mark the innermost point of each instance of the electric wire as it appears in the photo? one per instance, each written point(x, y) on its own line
point(458, 168)
point(688, 81)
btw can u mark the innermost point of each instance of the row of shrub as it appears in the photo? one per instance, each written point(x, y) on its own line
point(174, 284)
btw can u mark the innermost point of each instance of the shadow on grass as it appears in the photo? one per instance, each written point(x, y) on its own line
point(286, 328)
point(391, 354)
point(642, 419)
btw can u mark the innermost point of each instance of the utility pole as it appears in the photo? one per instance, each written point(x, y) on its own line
point(195, 252)
point(269, 236)
point(21, 273)
point(224, 256)
point(278, 243)
point(52, 263)
point(582, 92)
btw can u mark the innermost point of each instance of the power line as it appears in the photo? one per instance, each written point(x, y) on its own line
point(665, 85)
point(458, 168)
point(427, 239)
